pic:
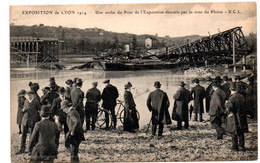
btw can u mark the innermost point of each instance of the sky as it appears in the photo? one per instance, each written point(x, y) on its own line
point(173, 25)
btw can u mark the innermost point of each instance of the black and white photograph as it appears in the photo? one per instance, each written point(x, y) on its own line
point(140, 82)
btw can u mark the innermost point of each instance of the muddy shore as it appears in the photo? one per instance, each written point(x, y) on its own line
point(198, 143)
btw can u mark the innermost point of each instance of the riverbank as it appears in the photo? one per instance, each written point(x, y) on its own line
point(198, 143)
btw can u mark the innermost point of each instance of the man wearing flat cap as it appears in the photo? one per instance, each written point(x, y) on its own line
point(31, 115)
point(42, 142)
point(217, 109)
point(198, 92)
point(93, 96)
point(158, 103)
point(109, 96)
point(180, 112)
point(237, 125)
point(68, 89)
point(77, 97)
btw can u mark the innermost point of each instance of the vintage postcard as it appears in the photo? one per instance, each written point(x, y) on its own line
point(133, 82)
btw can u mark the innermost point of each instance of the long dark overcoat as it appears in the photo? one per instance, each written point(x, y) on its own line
point(181, 100)
point(236, 105)
point(77, 97)
point(42, 141)
point(130, 116)
point(109, 96)
point(217, 104)
point(158, 103)
point(199, 94)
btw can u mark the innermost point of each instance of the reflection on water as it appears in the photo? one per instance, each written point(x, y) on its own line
point(142, 84)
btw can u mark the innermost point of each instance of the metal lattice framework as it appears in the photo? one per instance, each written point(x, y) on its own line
point(217, 47)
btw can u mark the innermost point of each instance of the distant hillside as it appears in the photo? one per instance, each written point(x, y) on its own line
point(93, 38)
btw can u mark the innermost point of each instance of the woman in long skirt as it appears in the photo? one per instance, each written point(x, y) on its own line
point(130, 117)
point(21, 100)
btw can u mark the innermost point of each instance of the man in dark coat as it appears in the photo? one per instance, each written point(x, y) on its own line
point(45, 90)
point(251, 98)
point(217, 109)
point(209, 92)
point(68, 89)
point(241, 86)
point(57, 115)
point(50, 95)
point(75, 134)
point(93, 96)
point(31, 115)
point(35, 87)
point(130, 114)
point(225, 86)
point(158, 103)
point(77, 97)
point(236, 105)
point(21, 101)
point(182, 98)
point(198, 93)
point(109, 96)
point(42, 142)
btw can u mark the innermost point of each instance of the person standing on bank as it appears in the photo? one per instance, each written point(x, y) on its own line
point(75, 134)
point(109, 96)
point(158, 103)
point(225, 86)
point(236, 105)
point(209, 92)
point(31, 115)
point(50, 95)
point(77, 97)
point(35, 87)
point(180, 111)
point(198, 93)
point(241, 86)
point(68, 89)
point(42, 142)
point(217, 109)
point(251, 98)
point(93, 96)
point(21, 100)
point(130, 115)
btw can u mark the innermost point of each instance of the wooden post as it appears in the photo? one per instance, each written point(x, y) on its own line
point(234, 53)
point(36, 53)
point(244, 63)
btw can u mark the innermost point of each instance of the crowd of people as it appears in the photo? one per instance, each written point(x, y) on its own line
point(61, 109)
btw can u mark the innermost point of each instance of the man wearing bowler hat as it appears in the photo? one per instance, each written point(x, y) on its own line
point(217, 109)
point(75, 134)
point(31, 115)
point(158, 103)
point(77, 96)
point(50, 95)
point(42, 142)
point(181, 109)
point(109, 96)
point(198, 93)
point(93, 96)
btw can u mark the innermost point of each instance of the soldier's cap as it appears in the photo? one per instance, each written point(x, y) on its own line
point(21, 93)
point(69, 82)
point(61, 90)
point(233, 86)
point(225, 78)
point(65, 105)
point(106, 81)
point(79, 81)
point(128, 85)
point(216, 84)
point(157, 84)
point(30, 92)
point(237, 77)
point(181, 84)
point(46, 89)
point(45, 111)
point(196, 80)
point(52, 79)
point(95, 83)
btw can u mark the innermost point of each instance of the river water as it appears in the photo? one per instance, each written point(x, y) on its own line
point(142, 82)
